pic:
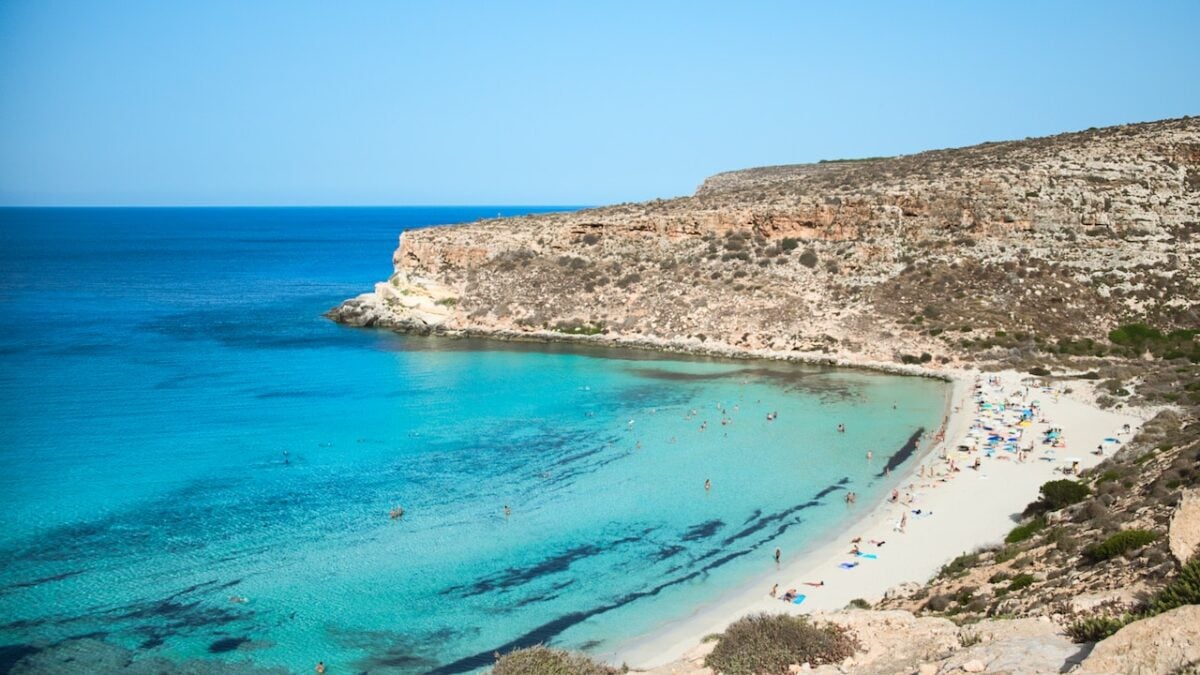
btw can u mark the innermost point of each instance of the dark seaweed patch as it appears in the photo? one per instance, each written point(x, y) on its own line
point(665, 552)
point(903, 453)
point(43, 580)
point(703, 530)
point(832, 488)
point(10, 654)
point(227, 644)
point(513, 577)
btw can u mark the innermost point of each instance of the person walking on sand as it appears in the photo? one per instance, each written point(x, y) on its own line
point(774, 590)
point(903, 522)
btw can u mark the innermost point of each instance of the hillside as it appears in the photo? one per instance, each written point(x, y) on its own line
point(991, 251)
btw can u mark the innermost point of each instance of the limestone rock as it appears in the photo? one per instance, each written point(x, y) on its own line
point(1184, 535)
point(1162, 644)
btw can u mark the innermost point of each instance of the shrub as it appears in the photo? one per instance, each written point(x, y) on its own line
point(959, 565)
point(1058, 494)
point(541, 660)
point(1039, 371)
point(939, 603)
point(1185, 590)
point(769, 643)
point(809, 258)
point(859, 603)
point(1022, 532)
point(998, 577)
point(1020, 581)
point(1096, 628)
point(1126, 540)
point(789, 244)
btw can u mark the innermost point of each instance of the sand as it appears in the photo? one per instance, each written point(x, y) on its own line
point(970, 510)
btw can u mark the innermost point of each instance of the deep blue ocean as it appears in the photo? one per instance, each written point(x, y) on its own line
point(198, 465)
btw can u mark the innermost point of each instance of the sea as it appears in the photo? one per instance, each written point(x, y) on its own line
point(199, 466)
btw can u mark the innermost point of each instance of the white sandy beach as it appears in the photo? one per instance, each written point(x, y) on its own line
point(965, 511)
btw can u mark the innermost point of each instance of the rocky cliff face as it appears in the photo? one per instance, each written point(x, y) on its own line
point(1056, 237)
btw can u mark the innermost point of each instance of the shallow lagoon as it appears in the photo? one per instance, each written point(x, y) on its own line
point(161, 363)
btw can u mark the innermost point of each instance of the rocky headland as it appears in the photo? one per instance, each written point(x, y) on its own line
point(946, 253)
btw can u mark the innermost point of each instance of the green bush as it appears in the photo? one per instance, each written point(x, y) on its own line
point(959, 565)
point(1058, 494)
point(1184, 590)
point(1096, 628)
point(541, 660)
point(1126, 540)
point(859, 603)
point(1020, 581)
point(1039, 371)
point(1022, 532)
point(769, 643)
point(809, 258)
point(998, 577)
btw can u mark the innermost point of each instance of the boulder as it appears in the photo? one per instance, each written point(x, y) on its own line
point(1184, 534)
point(1162, 644)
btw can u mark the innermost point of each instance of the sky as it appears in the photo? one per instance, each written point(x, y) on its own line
point(213, 102)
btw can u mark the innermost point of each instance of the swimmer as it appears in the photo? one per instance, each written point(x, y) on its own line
point(320, 668)
point(707, 485)
point(778, 554)
point(240, 599)
point(396, 512)
point(507, 511)
point(870, 455)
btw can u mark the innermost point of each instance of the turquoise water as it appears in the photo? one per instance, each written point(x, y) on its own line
point(179, 427)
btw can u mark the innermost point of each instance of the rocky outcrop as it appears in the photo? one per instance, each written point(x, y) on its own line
point(1054, 237)
point(1184, 532)
point(1167, 643)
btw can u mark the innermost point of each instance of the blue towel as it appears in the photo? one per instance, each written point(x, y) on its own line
point(799, 599)
point(848, 566)
point(869, 556)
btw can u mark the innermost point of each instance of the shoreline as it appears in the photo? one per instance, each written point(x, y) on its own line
point(973, 509)
point(690, 347)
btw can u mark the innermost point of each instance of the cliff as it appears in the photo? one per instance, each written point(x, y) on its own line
point(1052, 238)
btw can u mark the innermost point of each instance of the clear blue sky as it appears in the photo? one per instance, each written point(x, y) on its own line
point(260, 102)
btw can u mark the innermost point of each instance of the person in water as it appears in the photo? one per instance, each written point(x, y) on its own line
point(707, 485)
point(507, 511)
point(320, 668)
point(778, 554)
point(396, 512)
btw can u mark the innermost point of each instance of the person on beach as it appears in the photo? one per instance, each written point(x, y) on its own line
point(778, 554)
point(790, 595)
point(814, 584)
point(774, 590)
point(854, 550)
point(878, 542)
point(895, 495)
point(903, 522)
point(976, 464)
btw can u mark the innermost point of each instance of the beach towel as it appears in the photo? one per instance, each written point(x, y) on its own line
point(868, 556)
point(848, 566)
point(799, 599)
